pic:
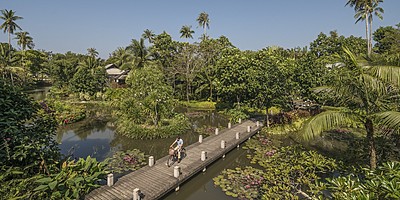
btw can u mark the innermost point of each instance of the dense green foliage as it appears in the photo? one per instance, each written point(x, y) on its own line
point(72, 181)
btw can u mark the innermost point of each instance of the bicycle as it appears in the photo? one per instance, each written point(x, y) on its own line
point(173, 156)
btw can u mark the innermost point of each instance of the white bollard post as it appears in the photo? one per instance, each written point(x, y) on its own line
point(204, 169)
point(200, 138)
point(151, 161)
point(216, 131)
point(237, 135)
point(237, 146)
point(240, 121)
point(248, 129)
point(229, 125)
point(177, 171)
point(223, 156)
point(110, 180)
point(203, 156)
point(222, 144)
point(136, 194)
point(258, 123)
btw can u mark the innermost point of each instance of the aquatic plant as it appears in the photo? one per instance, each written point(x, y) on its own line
point(129, 160)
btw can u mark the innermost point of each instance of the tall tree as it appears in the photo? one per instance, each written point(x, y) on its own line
point(24, 40)
point(204, 21)
point(92, 52)
point(140, 51)
point(9, 24)
point(366, 95)
point(186, 32)
point(149, 35)
point(365, 9)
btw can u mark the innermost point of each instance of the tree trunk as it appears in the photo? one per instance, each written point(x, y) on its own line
point(369, 126)
point(267, 117)
point(370, 37)
point(367, 36)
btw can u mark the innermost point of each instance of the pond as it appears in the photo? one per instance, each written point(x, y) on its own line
point(96, 137)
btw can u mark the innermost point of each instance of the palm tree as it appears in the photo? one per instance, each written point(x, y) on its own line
point(204, 21)
point(140, 51)
point(148, 34)
point(9, 24)
point(365, 9)
point(24, 40)
point(186, 32)
point(364, 92)
point(92, 52)
point(8, 60)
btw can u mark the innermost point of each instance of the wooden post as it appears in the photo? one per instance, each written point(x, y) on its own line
point(222, 144)
point(229, 125)
point(240, 121)
point(151, 161)
point(110, 180)
point(216, 131)
point(136, 194)
point(258, 123)
point(203, 156)
point(200, 138)
point(177, 171)
point(248, 129)
point(237, 135)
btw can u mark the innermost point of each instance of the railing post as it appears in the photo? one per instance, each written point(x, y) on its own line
point(248, 129)
point(237, 135)
point(216, 131)
point(110, 180)
point(151, 161)
point(177, 171)
point(203, 155)
point(222, 144)
point(136, 194)
point(200, 138)
point(229, 125)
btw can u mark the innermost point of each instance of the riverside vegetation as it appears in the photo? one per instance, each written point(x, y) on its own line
point(357, 85)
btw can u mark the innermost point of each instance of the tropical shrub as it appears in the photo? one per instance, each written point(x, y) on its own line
point(382, 183)
point(177, 125)
point(67, 113)
point(73, 181)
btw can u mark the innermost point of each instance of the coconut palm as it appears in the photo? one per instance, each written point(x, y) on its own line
point(9, 24)
point(92, 52)
point(149, 35)
point(365, 9)
point(364, 93)
point(24, 40)
point(140, 52)
point(186, 32)
point(8, 60)
point(204, 21)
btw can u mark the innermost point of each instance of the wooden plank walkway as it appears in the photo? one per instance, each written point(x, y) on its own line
point(156, 181)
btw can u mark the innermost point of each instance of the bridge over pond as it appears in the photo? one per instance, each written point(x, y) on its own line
point(157, 179)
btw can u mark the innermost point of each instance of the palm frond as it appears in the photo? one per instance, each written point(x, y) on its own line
point(389, 119)
point(326, 121)
point(387, 73)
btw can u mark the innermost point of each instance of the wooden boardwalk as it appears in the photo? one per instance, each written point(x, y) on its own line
point(156, 181)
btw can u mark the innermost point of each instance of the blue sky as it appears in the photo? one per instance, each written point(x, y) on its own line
point(76, 25)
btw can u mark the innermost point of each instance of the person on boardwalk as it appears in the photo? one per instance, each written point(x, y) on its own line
point(179, 145)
